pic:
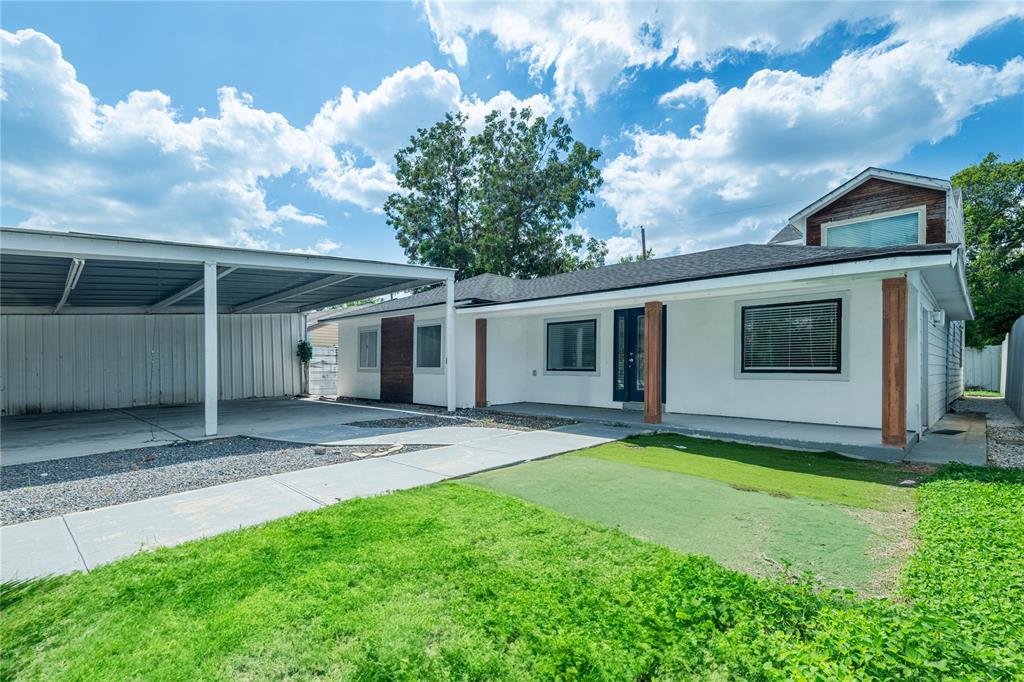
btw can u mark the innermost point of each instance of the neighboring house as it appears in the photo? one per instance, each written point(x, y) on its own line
point(852, 315)
point(322, 334)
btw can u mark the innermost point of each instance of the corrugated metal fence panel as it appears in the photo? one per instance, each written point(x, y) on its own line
point(1014, 393)
point(62, 363)
point(983, 367)
point(323, 371)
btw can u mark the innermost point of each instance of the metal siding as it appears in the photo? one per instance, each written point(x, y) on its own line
point(63, 363)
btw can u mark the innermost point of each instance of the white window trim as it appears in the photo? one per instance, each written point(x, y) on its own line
point(844, 332)
point(436, 322)
point(359, 348)
point(922, 222)
point(596, 372)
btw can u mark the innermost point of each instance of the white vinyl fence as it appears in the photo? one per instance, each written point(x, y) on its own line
point(983, 368)
point(323, 371)
point(1014, 392)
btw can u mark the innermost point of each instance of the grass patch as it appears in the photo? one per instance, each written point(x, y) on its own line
point(457, 582)
point(982, 393)
point(765, 535)
point(819, 476)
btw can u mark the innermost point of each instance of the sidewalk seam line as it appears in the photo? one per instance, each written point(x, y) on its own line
point(296, 490)
point(74, 541)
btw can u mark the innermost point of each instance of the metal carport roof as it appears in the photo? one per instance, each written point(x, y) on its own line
point(126, 275)
point(48, 273)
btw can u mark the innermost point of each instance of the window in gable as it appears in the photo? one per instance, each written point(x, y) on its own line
point(906, 227)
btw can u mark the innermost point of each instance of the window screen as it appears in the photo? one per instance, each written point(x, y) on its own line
point(428, 346)
point(792, 337)
point(891, 231)
point(368, 349)
point(572, 346)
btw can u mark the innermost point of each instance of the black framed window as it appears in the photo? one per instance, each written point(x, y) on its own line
point(572, 346)
point(802, 337)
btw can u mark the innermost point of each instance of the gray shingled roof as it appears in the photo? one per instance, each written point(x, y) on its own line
point(732, 260)
point(787, 234)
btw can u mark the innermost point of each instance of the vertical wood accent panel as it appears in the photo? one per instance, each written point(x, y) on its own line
point(653, 361)
point(894, 361)
point(396, 359)
point(879, 196)
point(481, 363)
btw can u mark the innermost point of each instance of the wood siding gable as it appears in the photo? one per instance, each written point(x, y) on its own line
point(881, 196)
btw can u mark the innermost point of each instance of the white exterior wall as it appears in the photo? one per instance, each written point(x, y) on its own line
point(62, 363)
point(701, 378)
point(429, 386)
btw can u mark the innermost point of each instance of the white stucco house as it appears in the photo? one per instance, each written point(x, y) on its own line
point(852, 315)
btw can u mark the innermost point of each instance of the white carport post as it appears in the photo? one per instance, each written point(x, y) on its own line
point(449, 337)
point(210, 345)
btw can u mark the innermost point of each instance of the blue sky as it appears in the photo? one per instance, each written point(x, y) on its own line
point(274, 124)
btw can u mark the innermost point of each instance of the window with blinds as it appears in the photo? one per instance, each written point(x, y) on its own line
point(792, 337)
point(572, 346)
point(368, 349)
point(889, 231)
point(428, 347)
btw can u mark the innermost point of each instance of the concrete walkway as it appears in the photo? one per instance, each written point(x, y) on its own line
point(83, 540)
point(957, 437)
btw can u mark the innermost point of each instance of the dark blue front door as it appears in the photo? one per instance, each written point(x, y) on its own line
point(628, 351)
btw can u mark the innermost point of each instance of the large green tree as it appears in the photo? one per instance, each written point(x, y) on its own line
point(993, 196)
point(501, 201)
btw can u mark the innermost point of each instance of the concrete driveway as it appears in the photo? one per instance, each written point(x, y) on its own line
point(35, 438)
point(82, 540)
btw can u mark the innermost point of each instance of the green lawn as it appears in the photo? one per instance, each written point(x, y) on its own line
point(747, 531)
point(820, 476)
point(455, 581)
point(982, 393)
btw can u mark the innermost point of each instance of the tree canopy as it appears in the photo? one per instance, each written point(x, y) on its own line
point(501, 201)
point(993, 196)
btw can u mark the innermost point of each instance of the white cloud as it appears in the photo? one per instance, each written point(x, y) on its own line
point(476, 110)
point(138, 167)
point(589, 48)
point(619, 247)
point(382, 120)
point(782, 131)
point(703, 90)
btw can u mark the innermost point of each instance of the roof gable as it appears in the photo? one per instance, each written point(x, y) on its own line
point(862, 177)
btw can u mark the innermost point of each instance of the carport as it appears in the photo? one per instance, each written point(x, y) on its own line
point(89, 320)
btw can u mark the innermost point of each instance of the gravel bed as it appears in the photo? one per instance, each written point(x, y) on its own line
point(41, 489)
point(429, 415)
point(1005, 430)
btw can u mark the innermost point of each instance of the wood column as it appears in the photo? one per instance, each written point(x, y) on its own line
point(653, 361)
point(481, 363)
point(894, 361)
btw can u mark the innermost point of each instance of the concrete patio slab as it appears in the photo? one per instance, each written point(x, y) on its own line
point(113, 532)
point(35, 438)
point(38, 548)
point(340, 482)
point(39, 437)
point(535, 444)
point(970, 446)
